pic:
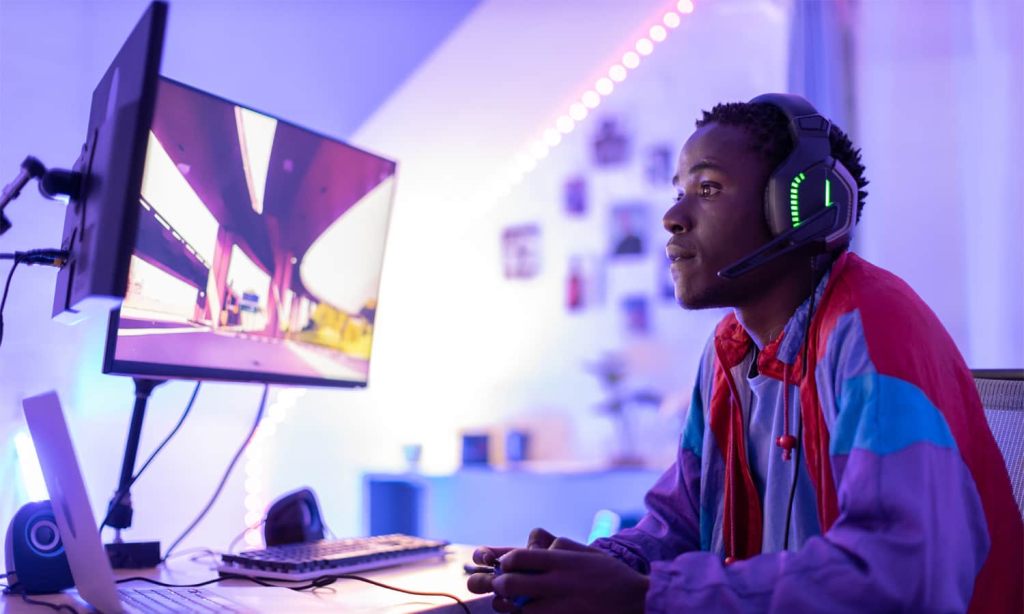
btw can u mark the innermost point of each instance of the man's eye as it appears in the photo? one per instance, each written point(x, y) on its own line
point(709, 190)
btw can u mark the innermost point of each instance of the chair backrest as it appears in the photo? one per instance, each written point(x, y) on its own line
point(1002, 396)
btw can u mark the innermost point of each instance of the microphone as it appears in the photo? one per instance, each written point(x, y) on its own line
point(813, 230)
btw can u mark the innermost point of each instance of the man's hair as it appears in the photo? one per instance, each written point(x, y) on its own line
point(768, 128)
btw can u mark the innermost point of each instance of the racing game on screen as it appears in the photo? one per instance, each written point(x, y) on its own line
point(258, 251)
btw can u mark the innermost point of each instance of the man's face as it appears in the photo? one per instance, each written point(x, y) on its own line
point(717, 218)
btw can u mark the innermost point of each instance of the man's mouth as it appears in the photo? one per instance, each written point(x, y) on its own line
point(676, 253)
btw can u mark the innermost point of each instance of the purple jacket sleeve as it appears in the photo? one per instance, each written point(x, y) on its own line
point(910, 535)
point(667, 529)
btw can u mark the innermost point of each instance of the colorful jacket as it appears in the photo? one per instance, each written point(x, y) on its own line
point(902, 502)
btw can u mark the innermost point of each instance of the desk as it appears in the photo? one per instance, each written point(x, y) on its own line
point(344, 596)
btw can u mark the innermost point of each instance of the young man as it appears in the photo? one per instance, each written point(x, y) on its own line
point(835, 456)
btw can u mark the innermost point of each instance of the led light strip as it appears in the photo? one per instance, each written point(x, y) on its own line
point(590, 99)
point(256, 461)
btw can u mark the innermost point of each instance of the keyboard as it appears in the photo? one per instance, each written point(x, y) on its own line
point(331, 557)
point(170, 600)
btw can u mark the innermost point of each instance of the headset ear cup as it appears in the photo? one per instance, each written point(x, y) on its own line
point(846, 198)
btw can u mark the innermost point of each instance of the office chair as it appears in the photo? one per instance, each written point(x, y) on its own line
point(1002, 396)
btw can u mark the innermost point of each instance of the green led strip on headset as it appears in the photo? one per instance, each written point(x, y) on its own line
point(794, 198)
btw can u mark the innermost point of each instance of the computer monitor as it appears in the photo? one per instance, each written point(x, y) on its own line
point(99, 223)
point(257, 250)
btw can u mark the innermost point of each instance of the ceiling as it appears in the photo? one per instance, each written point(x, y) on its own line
point(288, 58)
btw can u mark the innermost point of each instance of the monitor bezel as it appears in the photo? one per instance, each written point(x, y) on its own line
point(112, 366)
point(83, 291)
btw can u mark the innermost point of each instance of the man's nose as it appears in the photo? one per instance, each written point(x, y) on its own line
point(677, 219)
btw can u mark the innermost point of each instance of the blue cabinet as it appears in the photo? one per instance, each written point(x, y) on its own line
point(481, 506)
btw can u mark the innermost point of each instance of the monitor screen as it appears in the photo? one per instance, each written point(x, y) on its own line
point(258, 250)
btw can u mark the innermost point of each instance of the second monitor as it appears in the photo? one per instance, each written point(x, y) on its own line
point(258, 250)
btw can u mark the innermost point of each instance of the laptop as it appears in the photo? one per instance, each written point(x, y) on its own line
point(87, 559)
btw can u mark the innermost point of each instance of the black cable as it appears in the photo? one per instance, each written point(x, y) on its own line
point(3, 301)
point(167, 585)
point(52, 257)
point(319, 582)
point(53, 606)
point(124, 491)
point(47, 255)
point(324, 581)
point(58, 607)
point(227, 474)
point(792, 488)
point(799, 422)
point(389, 587)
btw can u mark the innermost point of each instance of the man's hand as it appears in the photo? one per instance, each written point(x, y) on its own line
point(481, 583)
point(559, 575)
point(488, 555)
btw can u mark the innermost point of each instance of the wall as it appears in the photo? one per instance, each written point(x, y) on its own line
point(940, 123)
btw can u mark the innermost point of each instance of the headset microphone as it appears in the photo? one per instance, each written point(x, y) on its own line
point(810, 198)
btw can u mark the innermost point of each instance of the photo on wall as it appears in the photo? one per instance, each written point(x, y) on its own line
point(575, 196)
point(629, 226)
point(635, 315)
point(658, 165)
point(584, 282)
point(521, 251)
point(611, 145)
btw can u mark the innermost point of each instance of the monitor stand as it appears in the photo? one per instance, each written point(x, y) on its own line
point(131, 555)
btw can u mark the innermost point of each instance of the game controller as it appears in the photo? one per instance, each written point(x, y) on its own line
point(516, 601)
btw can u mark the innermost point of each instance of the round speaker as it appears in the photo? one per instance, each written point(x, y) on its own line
point(34, 554)
point(43, 536)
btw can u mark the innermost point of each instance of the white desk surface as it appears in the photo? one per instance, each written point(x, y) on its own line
point(344, 595)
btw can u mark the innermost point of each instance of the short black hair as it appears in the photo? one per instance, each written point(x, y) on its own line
point(768, 128)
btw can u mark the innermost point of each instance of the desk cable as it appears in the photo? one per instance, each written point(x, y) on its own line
point(50, 257)
point(14, 589)
point(227, 474)
point(121, 493)
point(320, 582)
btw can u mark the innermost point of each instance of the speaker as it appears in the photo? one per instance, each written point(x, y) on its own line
point(293, 518)
point(34, 554)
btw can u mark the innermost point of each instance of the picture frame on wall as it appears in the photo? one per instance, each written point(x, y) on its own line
point(636, 315)
point(611, 144)
point(628, 230)
point(521, 251)
point(575, 196)
point(584, 282)
point(658, 163)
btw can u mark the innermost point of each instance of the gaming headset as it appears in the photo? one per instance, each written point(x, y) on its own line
point(810, 197)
